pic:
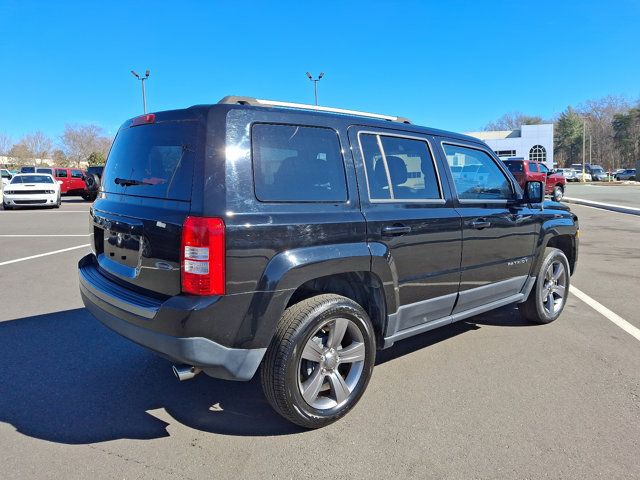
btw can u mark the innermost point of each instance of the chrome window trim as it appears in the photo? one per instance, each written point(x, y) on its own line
point(455, 187)
point(378, 134)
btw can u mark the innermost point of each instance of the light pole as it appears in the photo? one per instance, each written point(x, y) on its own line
point(584, 145)
point(315, 84)
point(144, 96)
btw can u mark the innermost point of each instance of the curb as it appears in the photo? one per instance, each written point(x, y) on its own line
point(604, 206)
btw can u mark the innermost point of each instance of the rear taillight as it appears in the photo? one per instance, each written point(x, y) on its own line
point(203, 256)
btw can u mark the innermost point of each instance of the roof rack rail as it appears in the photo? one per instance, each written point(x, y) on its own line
point(257, 102)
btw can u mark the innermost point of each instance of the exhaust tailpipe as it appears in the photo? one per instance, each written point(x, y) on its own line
point(185, 372)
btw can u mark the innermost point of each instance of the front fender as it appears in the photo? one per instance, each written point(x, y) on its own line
point(557, 224)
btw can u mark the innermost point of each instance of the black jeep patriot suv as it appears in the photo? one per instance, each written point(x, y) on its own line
point(298, 240)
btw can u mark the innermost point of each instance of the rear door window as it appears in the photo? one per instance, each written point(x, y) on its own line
point(514, 167)
point(61, 173)
point(399, 168)
point(297, 164)
point(154, 160)
point(76, 174)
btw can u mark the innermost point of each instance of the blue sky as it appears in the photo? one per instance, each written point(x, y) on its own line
point(448, 64)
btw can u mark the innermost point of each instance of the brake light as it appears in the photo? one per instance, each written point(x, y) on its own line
point(203, 256)
point(144, 119)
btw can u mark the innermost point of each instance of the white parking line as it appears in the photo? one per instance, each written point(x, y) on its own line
point(30, 236)
point(613, 317)
point(43, 254)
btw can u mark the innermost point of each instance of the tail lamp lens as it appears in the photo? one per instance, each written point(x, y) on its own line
point(203, 256)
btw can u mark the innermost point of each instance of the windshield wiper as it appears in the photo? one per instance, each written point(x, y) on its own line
point(126, 182)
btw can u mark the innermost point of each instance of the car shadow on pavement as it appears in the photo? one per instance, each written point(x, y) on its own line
point(68, 379)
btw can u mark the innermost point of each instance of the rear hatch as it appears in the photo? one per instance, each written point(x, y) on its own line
point(146, 193)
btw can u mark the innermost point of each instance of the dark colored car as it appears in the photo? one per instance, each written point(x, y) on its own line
point(526, 171)
point(299, 240)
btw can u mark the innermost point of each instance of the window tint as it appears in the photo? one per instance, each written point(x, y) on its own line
point(533, 167)
point(76, 174)
point(376, 172)
point(514, 167)
point(408, 174)
point(61, 173)
point(297, 164)
point(480, 178)
point(157, 160)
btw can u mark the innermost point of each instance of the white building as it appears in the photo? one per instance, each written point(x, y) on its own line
point(530, 142)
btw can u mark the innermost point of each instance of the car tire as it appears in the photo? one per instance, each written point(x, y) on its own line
point(304, 376)
point(549, 293)
point(558, 193)
point(58, 202)
point(6, 207)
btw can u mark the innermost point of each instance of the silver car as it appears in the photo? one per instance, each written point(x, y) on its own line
point(569, 174)
point(628, 174)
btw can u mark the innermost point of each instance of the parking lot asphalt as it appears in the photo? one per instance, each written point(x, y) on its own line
point(492, 397)
point(624, 194)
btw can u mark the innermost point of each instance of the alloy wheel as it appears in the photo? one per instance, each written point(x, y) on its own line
point(554, 288)
point(331, 364)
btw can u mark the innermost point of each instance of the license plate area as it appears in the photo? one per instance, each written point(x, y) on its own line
point(122, 248)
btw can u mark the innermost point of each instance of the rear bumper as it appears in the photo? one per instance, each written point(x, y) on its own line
point(113, 304)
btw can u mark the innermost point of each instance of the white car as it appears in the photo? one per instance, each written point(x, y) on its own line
point(6, 177)
point(31, 190)
point(587, 176)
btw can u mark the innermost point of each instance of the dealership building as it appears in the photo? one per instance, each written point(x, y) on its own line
point(530, 142)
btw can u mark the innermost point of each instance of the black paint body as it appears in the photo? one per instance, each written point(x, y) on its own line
point(275, 251)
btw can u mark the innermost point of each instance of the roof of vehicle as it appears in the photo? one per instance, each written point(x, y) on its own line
point(354, 117)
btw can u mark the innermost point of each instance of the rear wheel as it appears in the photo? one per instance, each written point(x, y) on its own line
point(558, 193)
point(320, 360)
point(549, 294)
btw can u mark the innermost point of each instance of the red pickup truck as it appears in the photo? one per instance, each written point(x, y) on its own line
point(527, 171)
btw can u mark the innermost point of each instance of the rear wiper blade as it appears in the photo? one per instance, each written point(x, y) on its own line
point(126, 182)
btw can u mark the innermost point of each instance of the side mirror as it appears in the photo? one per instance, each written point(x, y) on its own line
point(59, 182)
point(533, 192)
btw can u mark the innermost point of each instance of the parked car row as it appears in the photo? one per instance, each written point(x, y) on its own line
point(71, 181)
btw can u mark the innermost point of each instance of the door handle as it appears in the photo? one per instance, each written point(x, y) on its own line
point(391, 230)
point(479, 224)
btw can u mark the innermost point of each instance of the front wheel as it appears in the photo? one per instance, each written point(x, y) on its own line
point(320, 360)
point(549, 294)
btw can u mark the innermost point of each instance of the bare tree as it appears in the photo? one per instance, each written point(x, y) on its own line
point(80, 141)
point(21, 154)
point(5, 144)
point(599, 115)
point(513, 121)
point(38, 143)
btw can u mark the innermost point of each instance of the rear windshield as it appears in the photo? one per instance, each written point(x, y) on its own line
point(32, 179)
point(153, 160)
point(514, 167)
